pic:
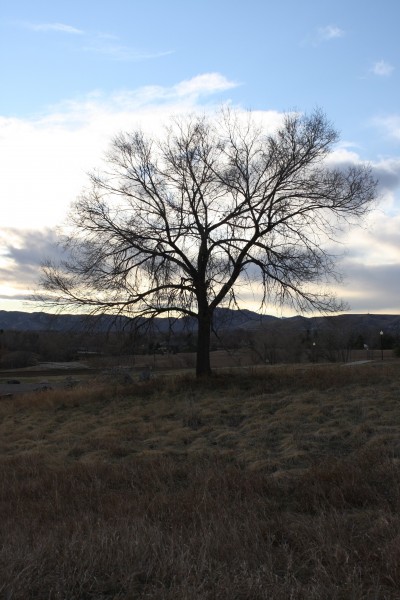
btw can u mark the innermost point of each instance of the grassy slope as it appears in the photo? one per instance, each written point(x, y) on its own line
point(277, 484)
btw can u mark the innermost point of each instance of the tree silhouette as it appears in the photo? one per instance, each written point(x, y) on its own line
point(183, 223)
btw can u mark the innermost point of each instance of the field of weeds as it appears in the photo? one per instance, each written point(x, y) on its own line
point(277, 483)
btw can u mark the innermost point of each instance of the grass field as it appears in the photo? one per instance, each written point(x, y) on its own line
point(276, 483)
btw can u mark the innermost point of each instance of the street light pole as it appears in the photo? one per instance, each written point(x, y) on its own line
point(381, 336)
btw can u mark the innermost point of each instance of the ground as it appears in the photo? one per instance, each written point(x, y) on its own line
point(269, 483)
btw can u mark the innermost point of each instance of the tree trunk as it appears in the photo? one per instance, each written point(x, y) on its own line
point(203, 366)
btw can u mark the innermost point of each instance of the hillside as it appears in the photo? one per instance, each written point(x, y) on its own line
point(225, 319)
point(42, 321)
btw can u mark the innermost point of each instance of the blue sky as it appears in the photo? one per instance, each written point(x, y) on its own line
point(74, 73)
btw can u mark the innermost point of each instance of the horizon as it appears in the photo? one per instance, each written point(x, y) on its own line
point(59, 313)
point(75, 75)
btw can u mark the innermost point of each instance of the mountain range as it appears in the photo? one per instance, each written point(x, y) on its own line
point(224, 319)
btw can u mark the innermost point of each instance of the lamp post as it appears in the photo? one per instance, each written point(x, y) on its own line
point(381, 336)
point(314, 353)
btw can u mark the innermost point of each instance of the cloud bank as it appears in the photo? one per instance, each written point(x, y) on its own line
point(22, 251)
point(45, 160)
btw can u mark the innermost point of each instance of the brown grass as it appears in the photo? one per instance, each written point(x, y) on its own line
point(277, 483)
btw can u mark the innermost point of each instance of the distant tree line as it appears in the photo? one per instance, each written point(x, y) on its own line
point(279, 341)
point(20, 349)
point(331, 341)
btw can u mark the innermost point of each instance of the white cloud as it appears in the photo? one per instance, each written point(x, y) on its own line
point(385, 170)
point(390, 125)
point(382, 68)
point(102, 43)
point(209, 83)
point(323, 34)
point(329, 32)
point(371, 253)
point(44, 161)
point(373, 289)
point(371, 265)
point(375, 244)
point(62, 27)
point(124, 53)
point(342, 156)
point(22, 251)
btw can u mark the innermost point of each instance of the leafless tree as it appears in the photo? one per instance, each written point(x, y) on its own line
point(183, 223)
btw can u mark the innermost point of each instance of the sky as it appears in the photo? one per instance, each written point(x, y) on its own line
point(76, 73)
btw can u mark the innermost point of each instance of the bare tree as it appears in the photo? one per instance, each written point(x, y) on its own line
point(180, 224)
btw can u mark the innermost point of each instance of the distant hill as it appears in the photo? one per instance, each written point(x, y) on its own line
point(224, 319)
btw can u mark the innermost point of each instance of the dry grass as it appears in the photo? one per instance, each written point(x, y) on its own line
point(273, 484)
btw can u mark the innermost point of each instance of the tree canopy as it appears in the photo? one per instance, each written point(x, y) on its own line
point(182, 223)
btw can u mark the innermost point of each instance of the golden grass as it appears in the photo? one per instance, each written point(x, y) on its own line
point(273, 483)
point(275, 419)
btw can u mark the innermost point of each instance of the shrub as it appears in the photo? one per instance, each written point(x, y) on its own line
point(18, 359)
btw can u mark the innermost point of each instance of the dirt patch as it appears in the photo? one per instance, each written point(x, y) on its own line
point(45, 376)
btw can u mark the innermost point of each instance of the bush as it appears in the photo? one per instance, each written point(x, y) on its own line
point(18, 359)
